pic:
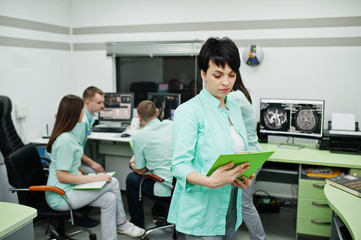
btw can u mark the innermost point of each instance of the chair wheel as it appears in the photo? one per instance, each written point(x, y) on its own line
point(53, 235)
point(93, 236)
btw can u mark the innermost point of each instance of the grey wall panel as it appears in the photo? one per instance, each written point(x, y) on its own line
point(27, 43)
point(227, 25)
point(32, 25)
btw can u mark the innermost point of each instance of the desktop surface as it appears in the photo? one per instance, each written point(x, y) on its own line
point(347, 206)
point(16, 216)
point(311, 155)
point(107, 136)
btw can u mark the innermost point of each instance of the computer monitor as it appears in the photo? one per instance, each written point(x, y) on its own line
point(291, 117)
point(163, 87)
point(118, 106)
point(166, 103)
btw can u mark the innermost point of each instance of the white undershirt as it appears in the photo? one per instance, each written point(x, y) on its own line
point(239, 145)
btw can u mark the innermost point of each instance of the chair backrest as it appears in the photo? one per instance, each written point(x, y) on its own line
point(9, 139)
point(25, 169)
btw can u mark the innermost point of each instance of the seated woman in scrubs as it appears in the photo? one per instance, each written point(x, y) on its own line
point(204, 127)
point(65, 153)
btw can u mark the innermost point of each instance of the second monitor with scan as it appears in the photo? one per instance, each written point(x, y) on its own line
point(166, 103)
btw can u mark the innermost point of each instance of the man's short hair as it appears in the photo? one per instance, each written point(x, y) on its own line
point(90, 92)
point(147, 110)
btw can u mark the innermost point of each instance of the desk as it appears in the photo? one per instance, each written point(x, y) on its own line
point(347, 207)
point(16, 221)
point(40, 141)
point(311, 155)
point(113, 151)
point(313, 214)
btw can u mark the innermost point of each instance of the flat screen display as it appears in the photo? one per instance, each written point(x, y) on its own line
point(117, 107)
point(166, 103)
point(289, 117)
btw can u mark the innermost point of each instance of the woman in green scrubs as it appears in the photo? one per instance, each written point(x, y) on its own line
point(65, 152)
point(204, 127)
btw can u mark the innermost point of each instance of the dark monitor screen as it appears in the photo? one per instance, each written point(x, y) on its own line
point(163, 87)
point(117, 107)
point(288, 117)
point(166, 103)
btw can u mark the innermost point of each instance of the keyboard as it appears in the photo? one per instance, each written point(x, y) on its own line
point(109, 129)
point(341, 132)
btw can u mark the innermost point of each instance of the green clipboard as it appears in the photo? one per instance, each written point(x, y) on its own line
point(255, 159)
point(92, 185)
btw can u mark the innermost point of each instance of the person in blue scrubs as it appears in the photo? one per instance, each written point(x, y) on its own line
point(204, 127)
point(251, 218)
point(65, 153)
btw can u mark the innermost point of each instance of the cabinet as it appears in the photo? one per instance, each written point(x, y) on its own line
point(313, 213)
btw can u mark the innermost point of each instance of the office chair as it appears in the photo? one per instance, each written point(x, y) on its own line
point(27, 178)
point(9, 139)
point(161, 222)
point(141, 89)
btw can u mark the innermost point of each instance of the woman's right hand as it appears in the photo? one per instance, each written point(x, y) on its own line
point(102, 177)
point(226, 174)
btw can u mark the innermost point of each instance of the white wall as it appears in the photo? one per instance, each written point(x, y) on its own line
point(328, 73)
point(288, 72)
point(37, 78)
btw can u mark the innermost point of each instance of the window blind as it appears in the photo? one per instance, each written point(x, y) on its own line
point(154, 49)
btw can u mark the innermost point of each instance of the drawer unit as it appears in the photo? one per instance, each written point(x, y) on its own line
point(313, 207)
point(356, 172)
point(312, 189)
point(313, 226)
point(313, 213)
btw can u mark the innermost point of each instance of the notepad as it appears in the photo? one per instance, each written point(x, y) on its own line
point(92, 185)
point(255, 159)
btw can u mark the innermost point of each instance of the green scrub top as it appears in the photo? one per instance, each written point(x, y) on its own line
point(66, 153)
point(201, 133)
point(249, 117)
point(153, 149)
point(83, 129)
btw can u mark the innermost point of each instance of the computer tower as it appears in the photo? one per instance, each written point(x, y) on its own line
point(262, 137)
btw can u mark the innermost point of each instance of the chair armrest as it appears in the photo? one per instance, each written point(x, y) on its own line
point(153, 176)
point(45, 159)
point(47, 188)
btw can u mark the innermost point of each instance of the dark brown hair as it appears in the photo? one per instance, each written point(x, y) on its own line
point(238, 85)
point(222, 51)
point(147, 110)
point(90, 92)
point(67, 117)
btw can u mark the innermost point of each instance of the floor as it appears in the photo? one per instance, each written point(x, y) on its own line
point(278, 226)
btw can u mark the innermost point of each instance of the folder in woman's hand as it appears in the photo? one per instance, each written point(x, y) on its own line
point(255, 159)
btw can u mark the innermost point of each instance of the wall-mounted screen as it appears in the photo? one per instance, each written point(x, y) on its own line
point(166, 103)
point(288, 117)
point(117, 107)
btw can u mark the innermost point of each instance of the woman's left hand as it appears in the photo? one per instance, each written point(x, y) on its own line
point(244, 183)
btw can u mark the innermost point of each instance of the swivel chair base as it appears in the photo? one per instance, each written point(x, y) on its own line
point(55, 235)
point(161, 223)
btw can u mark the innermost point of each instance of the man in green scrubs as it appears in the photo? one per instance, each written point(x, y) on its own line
point(153, 150)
